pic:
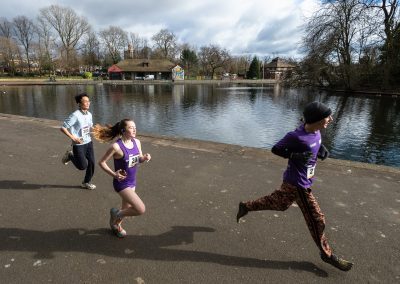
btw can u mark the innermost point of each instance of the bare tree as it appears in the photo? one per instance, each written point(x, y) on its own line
point(330, 39)
point(115, 40)
point(91, 51)
point(5, 28)
point(390, 36)
point(24, 31)
point(9, 51)
point(8, 46)
point(240, 64)
point(70, 28)
point(146, 51)
point(213, 57)
point(139, 46)
point(165, 44)
point(46, 45)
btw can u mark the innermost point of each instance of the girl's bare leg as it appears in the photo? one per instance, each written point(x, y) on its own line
point(132, 205)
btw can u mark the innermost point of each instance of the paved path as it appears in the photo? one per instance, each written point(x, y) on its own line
point(53, 231)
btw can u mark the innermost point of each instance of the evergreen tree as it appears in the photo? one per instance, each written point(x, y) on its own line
point(254, 69)
point(189, 60)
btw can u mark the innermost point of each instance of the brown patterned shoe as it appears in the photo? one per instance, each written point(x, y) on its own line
point(337, 262)
point(242, 211)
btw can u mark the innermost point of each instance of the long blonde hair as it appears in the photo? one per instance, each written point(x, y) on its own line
point(107, 133)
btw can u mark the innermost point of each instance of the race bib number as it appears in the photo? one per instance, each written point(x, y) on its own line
point(133, 160)
point(310, 171)
point(85, 131)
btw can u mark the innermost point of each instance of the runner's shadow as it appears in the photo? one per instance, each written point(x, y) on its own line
point(150, 247)
point(22, 185)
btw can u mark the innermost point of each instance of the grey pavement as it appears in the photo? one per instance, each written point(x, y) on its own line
point(53, 231)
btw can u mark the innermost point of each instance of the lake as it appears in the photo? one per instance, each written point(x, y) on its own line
point(365, 128)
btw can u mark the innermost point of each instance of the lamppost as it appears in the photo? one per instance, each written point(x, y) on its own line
point(263, 63)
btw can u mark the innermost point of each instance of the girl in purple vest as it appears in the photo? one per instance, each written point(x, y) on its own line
point(127, 154)
point(302, 147)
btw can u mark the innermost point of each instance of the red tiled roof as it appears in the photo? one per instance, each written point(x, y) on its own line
point(114, 69)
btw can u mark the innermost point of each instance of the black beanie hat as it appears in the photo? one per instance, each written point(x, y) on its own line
point(316, 111)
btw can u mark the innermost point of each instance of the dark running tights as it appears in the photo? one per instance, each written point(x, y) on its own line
point(84, 159)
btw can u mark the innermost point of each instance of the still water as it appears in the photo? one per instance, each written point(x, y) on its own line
point(365, 129)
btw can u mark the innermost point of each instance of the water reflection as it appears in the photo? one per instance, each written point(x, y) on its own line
point(364, 129)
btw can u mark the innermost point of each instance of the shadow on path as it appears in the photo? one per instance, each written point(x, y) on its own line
point(153, 247)
point(20, 184)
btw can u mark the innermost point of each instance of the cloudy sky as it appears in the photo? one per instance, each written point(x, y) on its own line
point(261, 27)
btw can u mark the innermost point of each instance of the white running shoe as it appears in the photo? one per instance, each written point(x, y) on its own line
point(120, 232)
point(87, 185)
point(115, 223)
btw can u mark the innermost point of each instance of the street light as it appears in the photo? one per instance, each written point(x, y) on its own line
point(263, 68)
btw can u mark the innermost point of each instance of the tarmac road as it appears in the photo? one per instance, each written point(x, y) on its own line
point(53, 231)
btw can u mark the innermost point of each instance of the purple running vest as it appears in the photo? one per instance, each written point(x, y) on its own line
point(128, 163)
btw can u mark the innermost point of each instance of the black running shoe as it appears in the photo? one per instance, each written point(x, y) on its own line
point(67, 157)
point(337, 262)
point(242, 211)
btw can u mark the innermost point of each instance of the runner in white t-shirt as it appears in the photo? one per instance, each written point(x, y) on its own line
point(77, 127)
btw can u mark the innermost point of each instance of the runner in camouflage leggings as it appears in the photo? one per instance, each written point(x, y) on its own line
point(302, 147)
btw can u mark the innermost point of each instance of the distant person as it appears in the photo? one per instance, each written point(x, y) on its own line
point(302, 147)
point(78, 127)
point(127, 154)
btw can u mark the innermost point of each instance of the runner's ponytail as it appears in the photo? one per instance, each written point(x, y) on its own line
point(107, 133)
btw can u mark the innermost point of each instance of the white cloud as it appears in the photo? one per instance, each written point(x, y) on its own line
point(260, 27)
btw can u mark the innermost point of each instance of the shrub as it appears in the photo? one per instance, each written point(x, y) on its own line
point(87, 75)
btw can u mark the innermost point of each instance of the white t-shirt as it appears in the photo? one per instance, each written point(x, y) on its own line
point(80, 124)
